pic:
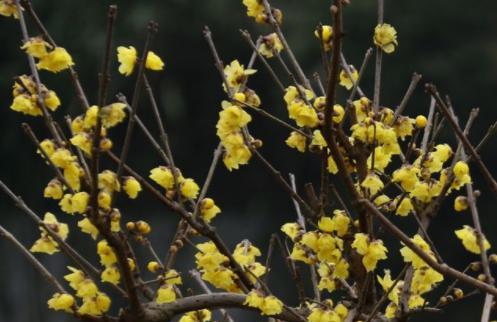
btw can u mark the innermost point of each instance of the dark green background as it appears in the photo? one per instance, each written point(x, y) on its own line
point(453, 43)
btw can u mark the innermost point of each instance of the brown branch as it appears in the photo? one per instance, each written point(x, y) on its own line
point(407, 96)
point(34, 71)
point(464, 140)
point(293, 60)
point(164, 312)
point(442, 268)
point(152, 30)
point(33, 261)
point(196, 276)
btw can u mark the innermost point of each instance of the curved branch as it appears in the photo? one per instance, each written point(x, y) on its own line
point(165, 312)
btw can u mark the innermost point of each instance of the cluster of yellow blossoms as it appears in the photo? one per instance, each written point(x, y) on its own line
point(94, 302)
point(424, 279)
point(214, 267)
point(128, 57)
point(166, 292)
point(49, 58)
point(268, 305)
point(233, 119)
point(46, 244)
point(8, 8)
point(271, 45)
point(326, 312)
point(323, 247)
point(256, 10)
point(26, 99)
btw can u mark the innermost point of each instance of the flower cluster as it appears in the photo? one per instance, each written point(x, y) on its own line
point(27, 97)
point(53, 59)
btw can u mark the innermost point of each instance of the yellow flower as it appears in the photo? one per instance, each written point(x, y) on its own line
point(61, 302)
point(72, 174)
point(162, 176)
point(460, 203)
point(339, 223)
point(83, 141)
point(268, 305)
point(8, 8)
point(154, 62)
point(189, 188)
point(165, 294)
point(372, 251)
point(26, 105)
point(75, 278)
point(372, 183)
point(411, 257)
point(381, 159)
point(303, 114)
point(407, 176)
point(404, 127)
point(331, 165)
point(208, 209)
point(338, 113)
point(88, 228)
point(46, 244)
point(345, 80)
point(52, 101)
point(111, 275)
point(113, 114)
point(127, 58)
point(461, 171)
point(385, 37)
point(203, 315)
point(405, 207)
point(96, 305)
point(470, 241)
point(255, 8)
point(292, 230)
point(36, 47)
point(296, 141)
point(236, 75)
point(106, 253)
point(56, 60)
point(132, 187)
point(53, 190)
point(270, 44)
point(421, 121)
point(86, 288)
point(326, 36)
point(108, 181)
point(271, 306)
point(76, 203)
point(245, 253)
point(172, 277)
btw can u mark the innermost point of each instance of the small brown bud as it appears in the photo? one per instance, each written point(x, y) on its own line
point(170, 194)
point(179, 243)
point(443, 300)
point(493, 258)
point(482, 277)
point(477, 193)
point(143, 227)
point(257, 143)
point(130, 226)
point(458, 293)
point(173, 249)
point(475, 266)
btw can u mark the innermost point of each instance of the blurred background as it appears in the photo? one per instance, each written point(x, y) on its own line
point(451, 43)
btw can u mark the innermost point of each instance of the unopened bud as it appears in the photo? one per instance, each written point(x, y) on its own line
point(153, 266)
point(143, 227)
point(458, 293)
